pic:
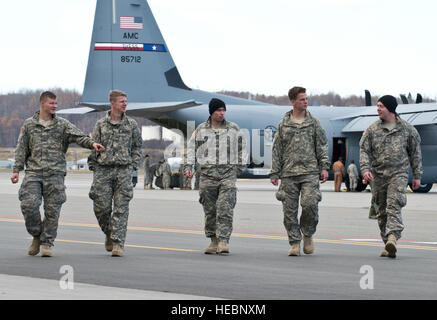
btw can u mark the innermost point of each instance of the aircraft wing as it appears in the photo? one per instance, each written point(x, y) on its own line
point(83, 110)
point(134, 108)
point(417, 115)
point(359, 124)
point(144, 109)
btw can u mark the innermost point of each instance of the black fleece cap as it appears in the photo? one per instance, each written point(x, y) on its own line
point(389, 102)
point(215, 104)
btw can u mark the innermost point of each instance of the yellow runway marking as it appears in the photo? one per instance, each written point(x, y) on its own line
point(87, 225)
point(128, 245)
point(236, 234)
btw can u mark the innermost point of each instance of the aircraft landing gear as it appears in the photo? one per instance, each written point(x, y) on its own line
point(423, 188)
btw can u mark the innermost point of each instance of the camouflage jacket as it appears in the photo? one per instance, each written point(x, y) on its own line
point(42, 149)
point(164, 169)
point(122, 142)
point(147, 165)
point(299, 149)
point(387, 152)
point(220, 153)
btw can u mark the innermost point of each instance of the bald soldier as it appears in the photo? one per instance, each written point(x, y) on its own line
point(388, 148)
point(41, 149)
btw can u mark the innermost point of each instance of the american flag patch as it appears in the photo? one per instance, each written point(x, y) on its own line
point(130, 47)
point(131, 22)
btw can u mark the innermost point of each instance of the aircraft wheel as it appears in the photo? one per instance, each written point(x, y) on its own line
point(347, 182)
point(423, 188)
point(360, 185)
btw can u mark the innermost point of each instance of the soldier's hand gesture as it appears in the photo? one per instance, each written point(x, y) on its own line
point(416, 184)
point(15, 177)
point(98, 147)
point(324, 176)
point(188, 173)
point(367, 177)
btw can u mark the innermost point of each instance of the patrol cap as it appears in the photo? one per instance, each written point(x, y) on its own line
point(389, 102)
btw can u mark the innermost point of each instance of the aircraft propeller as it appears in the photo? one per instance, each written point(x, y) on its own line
point(404, 99)
point(368, 98)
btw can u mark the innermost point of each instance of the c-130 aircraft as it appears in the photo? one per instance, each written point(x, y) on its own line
point(128, 53)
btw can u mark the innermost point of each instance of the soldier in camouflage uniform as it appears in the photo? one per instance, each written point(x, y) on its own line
point(196, 176)
point(184, 181)
point(148, 174)
point(299, 157)
point(165, 171)
point(218, 148)
point(387, 150)
point(182, 177)
point(112, 171)
point(41, 148)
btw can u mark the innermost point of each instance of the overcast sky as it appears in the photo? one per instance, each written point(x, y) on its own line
point(346, 46)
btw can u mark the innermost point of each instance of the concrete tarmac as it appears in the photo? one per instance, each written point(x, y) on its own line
point(164, 256)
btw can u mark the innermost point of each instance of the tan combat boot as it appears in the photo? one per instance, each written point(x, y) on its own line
point(34, 247)
point(222, 247)
point(384, 253)
point(308, 245)
point(146, 187)
point(108, 243)
point(46, 250)
point(390, 246)
point(212, 249)
point(117, 251)
point(295, 249)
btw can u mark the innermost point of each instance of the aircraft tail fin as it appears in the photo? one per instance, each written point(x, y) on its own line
point(128, 53)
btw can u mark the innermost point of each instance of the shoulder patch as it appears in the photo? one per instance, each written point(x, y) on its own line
point(234, 126)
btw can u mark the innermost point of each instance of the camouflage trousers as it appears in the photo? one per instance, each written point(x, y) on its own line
point(390, 195)
point(148, 178)
point(34, 188)
point(111, 192)
point(307, 187)
point(197, 180)
point(166, 180)
point(373, 209)
point(218, 198)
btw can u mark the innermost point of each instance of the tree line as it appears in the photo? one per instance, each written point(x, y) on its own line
point(18, 106)
point(325, 99)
